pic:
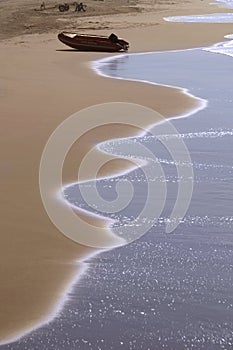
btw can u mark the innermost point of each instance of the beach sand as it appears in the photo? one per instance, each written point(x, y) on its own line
point(41, 84)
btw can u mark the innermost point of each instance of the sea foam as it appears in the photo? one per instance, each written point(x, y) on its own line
point(228, 3)
point(225, 47)
point(208, 18)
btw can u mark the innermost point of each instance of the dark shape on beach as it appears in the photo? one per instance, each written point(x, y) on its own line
point(85, 42)
point(42, 6)
point(79, 7)
point(63, 7)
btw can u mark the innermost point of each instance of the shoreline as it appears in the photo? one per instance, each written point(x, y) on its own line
point(200, 103)
point(68, 250)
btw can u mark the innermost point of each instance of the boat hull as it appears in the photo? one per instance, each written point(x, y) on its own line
point(92, 43)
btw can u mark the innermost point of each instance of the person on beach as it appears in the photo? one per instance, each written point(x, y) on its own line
point(80, 7)
point(42, 6)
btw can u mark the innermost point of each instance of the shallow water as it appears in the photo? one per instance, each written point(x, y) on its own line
point(227, 3)
point(208, 18)
point(208, 133)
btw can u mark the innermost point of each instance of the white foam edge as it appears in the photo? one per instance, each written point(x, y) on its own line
point(202, 103)
point(96, 67)
point(192, 18)
point(220, 47)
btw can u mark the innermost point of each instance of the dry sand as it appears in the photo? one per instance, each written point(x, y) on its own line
point(39, 88)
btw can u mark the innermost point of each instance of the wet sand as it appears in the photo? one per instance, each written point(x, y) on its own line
point(39, 88)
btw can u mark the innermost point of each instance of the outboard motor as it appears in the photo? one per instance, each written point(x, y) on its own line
point(113, 38)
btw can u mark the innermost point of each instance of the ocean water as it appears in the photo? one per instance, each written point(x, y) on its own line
point(163, 291)
point(208, 18)
point(227, 3)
